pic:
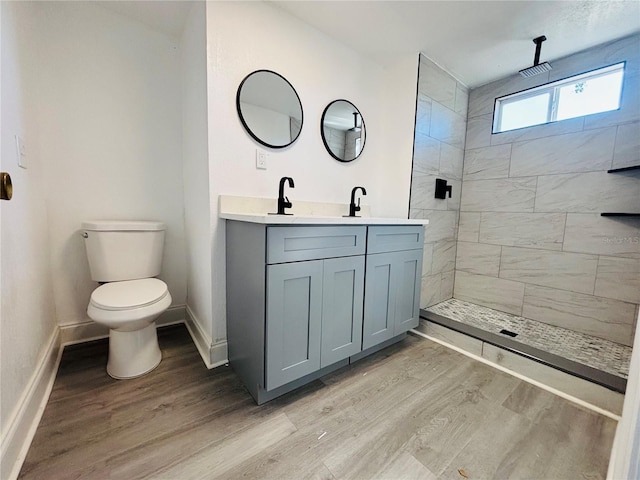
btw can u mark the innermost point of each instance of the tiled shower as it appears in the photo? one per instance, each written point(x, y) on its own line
point(522, 232)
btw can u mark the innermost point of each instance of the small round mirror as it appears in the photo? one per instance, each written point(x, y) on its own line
point(343, 130)
point(269, 109)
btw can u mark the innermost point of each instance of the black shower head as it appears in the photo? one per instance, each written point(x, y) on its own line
point(537, 67)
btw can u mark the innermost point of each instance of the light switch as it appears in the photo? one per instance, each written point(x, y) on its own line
point(261, 159)
point(21, 153)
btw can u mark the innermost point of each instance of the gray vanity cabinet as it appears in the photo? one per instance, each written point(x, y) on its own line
point(393, 281)
point(297, 297)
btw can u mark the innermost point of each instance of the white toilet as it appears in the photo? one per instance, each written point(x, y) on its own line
point(125, 255)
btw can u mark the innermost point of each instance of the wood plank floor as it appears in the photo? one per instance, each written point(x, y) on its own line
point(415, 410)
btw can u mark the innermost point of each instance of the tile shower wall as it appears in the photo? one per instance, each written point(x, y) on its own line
point(531, 240)
point(441, 123)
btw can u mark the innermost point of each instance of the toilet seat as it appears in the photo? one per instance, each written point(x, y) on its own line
point(129, 294)
point(128, 305)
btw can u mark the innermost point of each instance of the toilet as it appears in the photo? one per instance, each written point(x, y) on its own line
point(125, 256)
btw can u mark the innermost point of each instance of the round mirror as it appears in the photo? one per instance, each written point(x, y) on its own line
point(269, 109)
point(343, 130)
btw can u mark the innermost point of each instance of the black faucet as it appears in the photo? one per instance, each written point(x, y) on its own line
point(283, 202)
point(353, 208)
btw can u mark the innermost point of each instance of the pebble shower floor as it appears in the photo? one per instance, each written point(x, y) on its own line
point(595, 352)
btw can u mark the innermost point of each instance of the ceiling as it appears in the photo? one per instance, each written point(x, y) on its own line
point(476, 41)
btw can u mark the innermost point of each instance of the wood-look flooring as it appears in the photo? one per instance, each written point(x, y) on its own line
point(416, 410)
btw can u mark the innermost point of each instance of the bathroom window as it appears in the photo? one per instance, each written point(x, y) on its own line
point(592, 92)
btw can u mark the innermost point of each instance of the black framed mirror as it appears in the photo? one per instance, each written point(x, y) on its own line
point(269, 109)
point(343, 130)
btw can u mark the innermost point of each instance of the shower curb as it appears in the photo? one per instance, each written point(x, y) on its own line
point(585, 372)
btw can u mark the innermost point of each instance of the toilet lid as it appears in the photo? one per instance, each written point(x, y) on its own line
point(129, 294)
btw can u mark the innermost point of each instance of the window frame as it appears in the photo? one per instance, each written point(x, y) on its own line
point(553, 88)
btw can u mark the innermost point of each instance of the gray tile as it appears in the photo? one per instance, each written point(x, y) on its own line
point(430, 290)
point(423, 114)
point(453, 202)
point(478, 258)
point(423, 193)
point(427, 258)
point(423, 189)
point(598, 57)
point(479, 131)
point(501, 195)
point(447, 126)
point(591, 233)
point(504, 295)
point(416, 213)
point(627, 149)
point(569, 271)
point(462, 100)
point(570, 153)
point(442, 226)
point(451, 161)
point(446, 285)
point(592, 351)
point(601, 317)
point(467, 343)
point(444, 256)
point(436, 83)
point(589, 192)
point(531, 230)
point(618, 278)
point(426, 154)
point(469, 226)
point(487, 162)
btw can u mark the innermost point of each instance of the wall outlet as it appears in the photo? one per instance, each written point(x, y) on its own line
point(261, 159)
point(21, 152)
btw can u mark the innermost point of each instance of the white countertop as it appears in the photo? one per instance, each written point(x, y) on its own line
point(256, 210)
point(315, 220)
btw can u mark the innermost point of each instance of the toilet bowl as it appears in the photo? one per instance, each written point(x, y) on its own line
point(129, 308)
point(125, 256)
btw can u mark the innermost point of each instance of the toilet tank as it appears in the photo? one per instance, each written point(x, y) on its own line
point(123, 250)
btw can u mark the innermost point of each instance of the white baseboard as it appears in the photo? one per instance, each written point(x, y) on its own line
point(22, 426)
point(86, 331)
point(213, 355)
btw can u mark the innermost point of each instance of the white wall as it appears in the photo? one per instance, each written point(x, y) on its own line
point(246, 36)
point(195, 165)
point(110, 112)
point(27, 312)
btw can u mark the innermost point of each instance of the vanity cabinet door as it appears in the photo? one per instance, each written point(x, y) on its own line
point(408, 265)
point(379, 300)
point(293, 323)
point(342, 297)
point(392, 295)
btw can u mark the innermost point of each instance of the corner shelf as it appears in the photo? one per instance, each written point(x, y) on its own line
point(619, 214)
point(622, 214)
point(624, 169)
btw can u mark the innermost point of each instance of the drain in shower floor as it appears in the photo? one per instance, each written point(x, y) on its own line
point(507, 332)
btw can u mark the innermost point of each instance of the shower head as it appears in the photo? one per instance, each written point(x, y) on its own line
point(355, 128)
point(537, 67)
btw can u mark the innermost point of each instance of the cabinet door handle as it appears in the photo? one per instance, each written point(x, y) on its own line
point(6, 186)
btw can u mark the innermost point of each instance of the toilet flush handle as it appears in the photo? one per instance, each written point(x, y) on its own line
point(85, 235)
